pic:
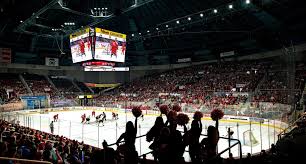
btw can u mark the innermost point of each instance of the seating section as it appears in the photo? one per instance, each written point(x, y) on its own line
point(208, 85)
point(3, 96)
point(196, 83)
point(38, 84)
point(12, 84)
point(64, 85)
point(82, 86)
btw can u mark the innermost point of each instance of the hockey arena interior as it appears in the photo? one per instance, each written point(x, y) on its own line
point(152, 81)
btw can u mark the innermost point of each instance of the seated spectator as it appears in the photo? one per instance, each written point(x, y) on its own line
point(209, 144)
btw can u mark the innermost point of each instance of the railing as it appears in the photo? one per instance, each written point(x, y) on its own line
point(284, 132)
point(21, 161)
point(218, 155)
point(230, 146)
point(123, 141)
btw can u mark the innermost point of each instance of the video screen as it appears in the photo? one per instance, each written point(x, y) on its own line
point(110, 46)
point(81, 46)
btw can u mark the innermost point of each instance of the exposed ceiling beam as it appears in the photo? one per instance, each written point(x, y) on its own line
point(100, 20)
point(28, 21)
point(41, 26)
point(60, 7)
point(37, 34)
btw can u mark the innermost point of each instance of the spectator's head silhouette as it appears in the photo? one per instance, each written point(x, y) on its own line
point(195, 125)
point(159, 122)
point(164, 132)
point(129, 129)
point(104, 144)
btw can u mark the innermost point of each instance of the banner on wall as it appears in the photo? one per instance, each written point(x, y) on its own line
point(51, 61)
point(240, 85)
point(34, 102)
point(102, 85)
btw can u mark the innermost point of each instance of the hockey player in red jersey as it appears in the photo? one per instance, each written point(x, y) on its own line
point(123, 48)
point(82, 47)
point(88, 43)
point(83, 118)
point(114, 47)
point(93, 113)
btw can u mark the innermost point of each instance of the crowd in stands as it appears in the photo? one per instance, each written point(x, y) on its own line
point(38, 84)
point(275, 88)
point(82, 86)
point(64, 85)
point(194, 85)
point(3, 95)
point(12, 84)
point(197, 85)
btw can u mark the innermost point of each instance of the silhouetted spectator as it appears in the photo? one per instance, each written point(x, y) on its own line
point(210, 143)
point(191, 138)
point(129, 151)
point(154, 133)
point(163, 146)
point(176, 143)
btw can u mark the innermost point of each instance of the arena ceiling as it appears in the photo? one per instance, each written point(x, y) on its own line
point(159, 31)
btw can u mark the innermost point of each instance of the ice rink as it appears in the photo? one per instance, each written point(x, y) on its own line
point(69, 125)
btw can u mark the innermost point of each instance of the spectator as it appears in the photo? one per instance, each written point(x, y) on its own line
point(176, 145)
point(163, 146)
point(191, 138)
point(154, 134)
point(105, 156)
point(209, 144)
point(230, 160)
point(129, 151)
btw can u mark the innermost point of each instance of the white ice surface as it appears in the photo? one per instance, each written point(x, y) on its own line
point(69, 125)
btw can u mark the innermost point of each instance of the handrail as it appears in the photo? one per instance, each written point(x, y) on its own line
point(237, 143)
point(123, 141)
point(145, 154)
point(24, 160)
point(290, 126)
point(231, 139)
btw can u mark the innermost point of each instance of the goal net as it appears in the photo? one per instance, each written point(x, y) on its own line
point(249, 139)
